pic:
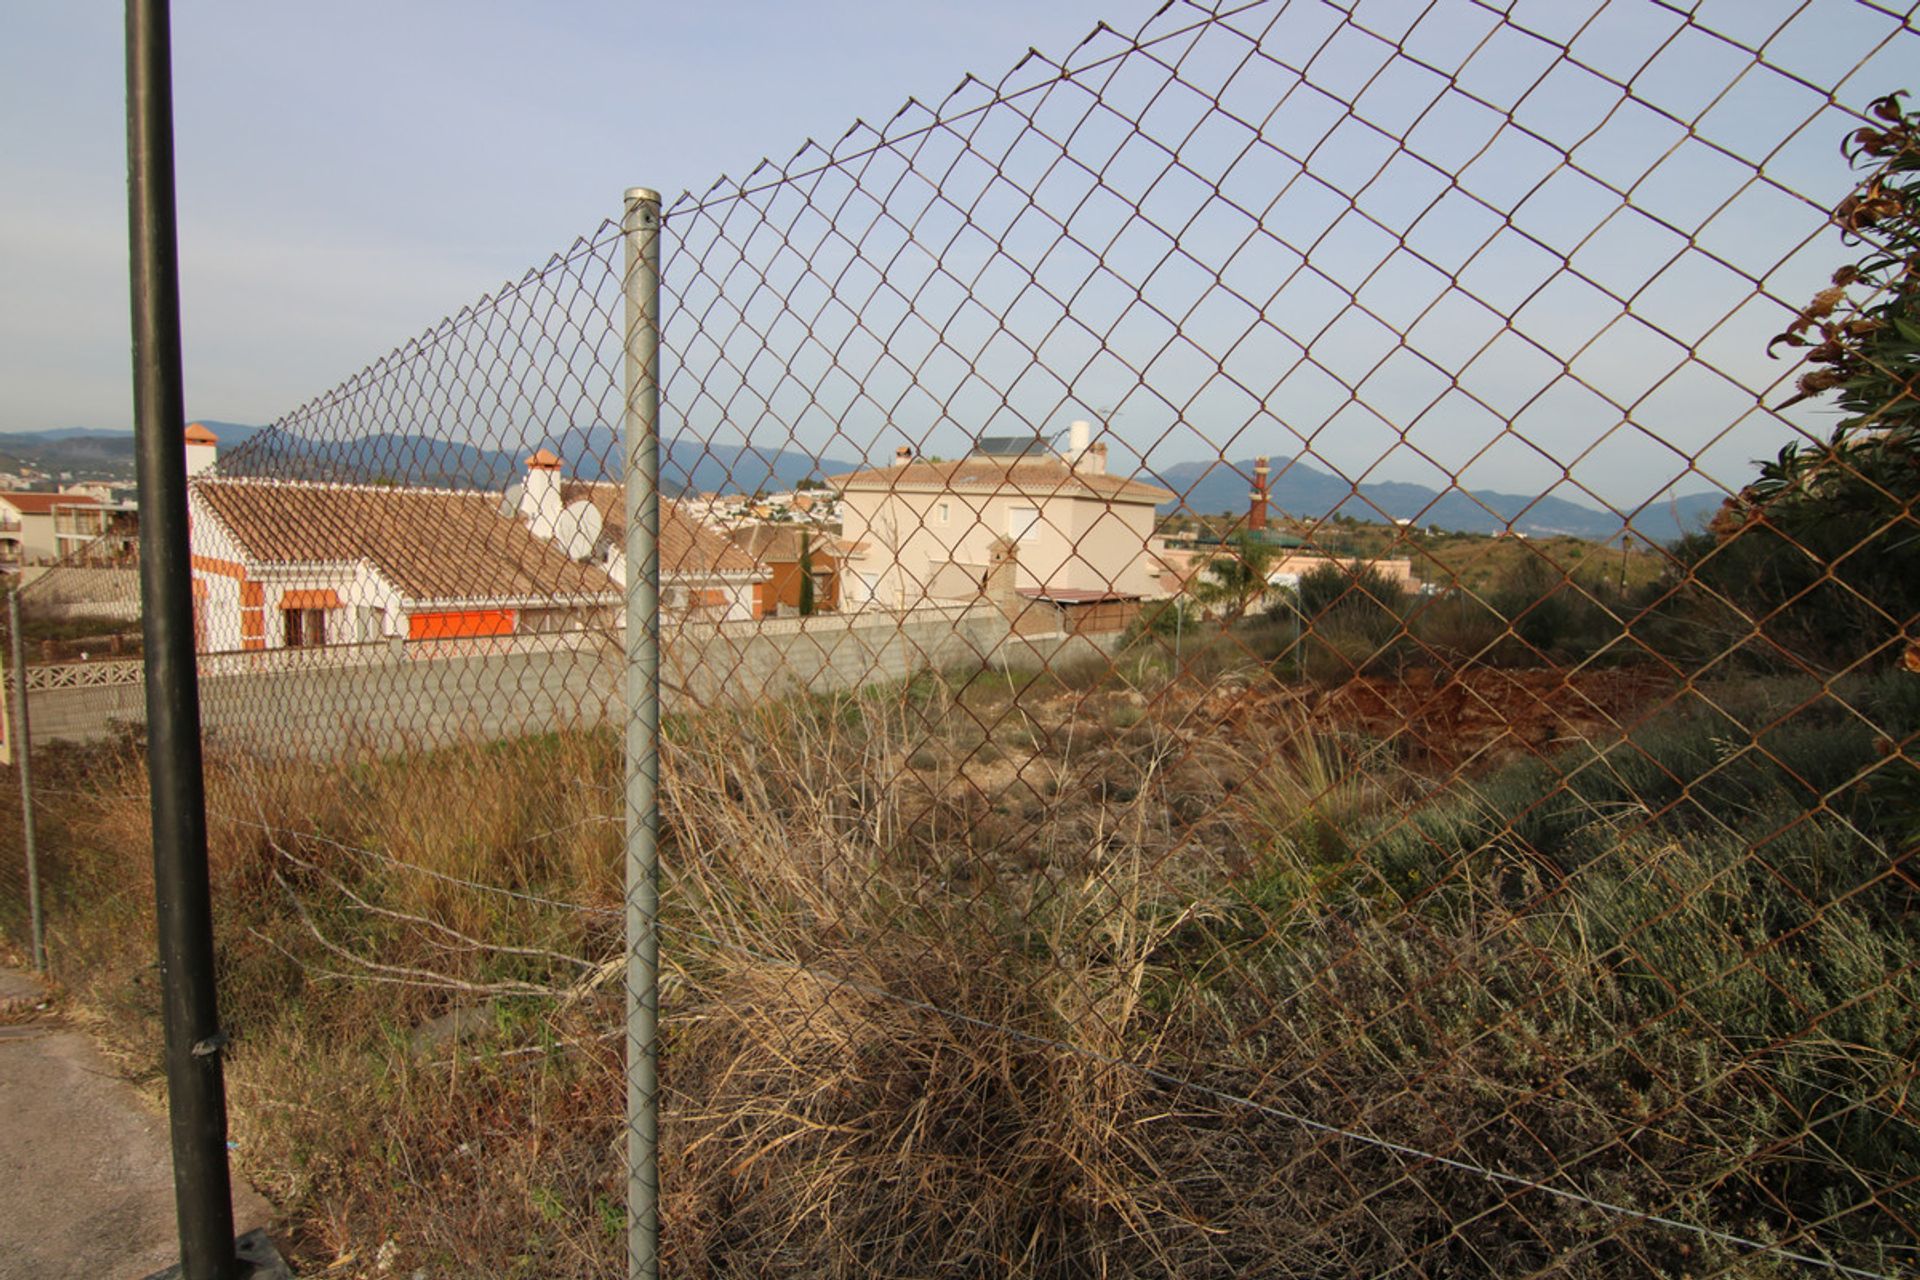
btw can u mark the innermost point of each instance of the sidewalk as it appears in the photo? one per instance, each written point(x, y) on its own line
point(84, 1161)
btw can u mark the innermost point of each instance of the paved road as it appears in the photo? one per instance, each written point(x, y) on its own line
point(86, 1184)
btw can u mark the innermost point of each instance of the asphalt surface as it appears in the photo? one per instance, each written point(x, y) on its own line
point(86, 1180)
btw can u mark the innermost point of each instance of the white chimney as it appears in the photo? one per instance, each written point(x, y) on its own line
point(540, 499)
point(1094, 461)
point(203, 449)
point(1079, 436)
point(902, 456)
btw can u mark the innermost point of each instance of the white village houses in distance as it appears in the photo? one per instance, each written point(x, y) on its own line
point(299, 564)
point(36, 528)
point(1057, 542)
point(922, 532)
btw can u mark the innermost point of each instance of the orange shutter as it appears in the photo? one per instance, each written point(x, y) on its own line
point(460, 625)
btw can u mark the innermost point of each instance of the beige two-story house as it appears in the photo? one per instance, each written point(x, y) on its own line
point(32, 525)
point(921, 531)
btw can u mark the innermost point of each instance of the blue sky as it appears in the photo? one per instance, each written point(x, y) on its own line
point(350, 172)
point(1433, 242)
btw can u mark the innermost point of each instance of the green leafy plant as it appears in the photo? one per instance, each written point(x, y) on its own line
point(1236, 581)
point(1824, 545)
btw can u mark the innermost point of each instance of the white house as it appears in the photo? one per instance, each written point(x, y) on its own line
point(294, 564)
point(924, 530)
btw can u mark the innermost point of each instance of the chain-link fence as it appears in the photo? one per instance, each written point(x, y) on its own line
point(71, 647)
point(1233, 698)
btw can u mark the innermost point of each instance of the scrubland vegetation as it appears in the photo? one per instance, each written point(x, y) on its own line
point(1523, 930)
point(1119, 970)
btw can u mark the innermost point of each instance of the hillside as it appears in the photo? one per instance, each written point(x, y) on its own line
point(1307, 493)
point(591, 453)
point(1206, 487)
point(92, 453)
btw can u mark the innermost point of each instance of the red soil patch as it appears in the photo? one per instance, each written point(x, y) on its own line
point(1448, 719)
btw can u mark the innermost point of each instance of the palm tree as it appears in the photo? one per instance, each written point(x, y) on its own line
point(1238, 580)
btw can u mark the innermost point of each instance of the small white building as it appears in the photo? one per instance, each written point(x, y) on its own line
point(922, 531)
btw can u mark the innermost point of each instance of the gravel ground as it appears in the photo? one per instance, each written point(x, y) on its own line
point(83, 1158)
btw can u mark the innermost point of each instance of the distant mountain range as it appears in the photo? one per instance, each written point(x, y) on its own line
point(60, 434)
point(78, 453)
point(89, 453)
point(1308, 493)
point(691, 465)
point(594, 452)
point(589, 453)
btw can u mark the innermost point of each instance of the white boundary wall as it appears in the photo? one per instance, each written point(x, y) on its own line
point(397, 696)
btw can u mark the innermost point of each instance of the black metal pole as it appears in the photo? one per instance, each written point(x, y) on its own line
point(183, 903)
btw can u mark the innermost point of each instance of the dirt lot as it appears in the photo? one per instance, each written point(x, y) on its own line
point(1481, 716)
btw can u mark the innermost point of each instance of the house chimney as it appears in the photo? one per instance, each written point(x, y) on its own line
point(1094, 461)
point(1079, 436)
point(1002, 583)
point(1257, 513)
point(540, 498)
point(203, 449)
point(903, 455)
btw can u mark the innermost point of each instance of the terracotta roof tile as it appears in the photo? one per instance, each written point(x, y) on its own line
point(431, 544)
point(770, 542)
point(1033, 478)
point(687, 546)
point(40, 504)
point(436, 544)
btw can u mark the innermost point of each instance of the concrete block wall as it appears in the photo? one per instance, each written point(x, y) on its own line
point(80, 591)
point(84, 714)
point(824, 654)
point(400, 698)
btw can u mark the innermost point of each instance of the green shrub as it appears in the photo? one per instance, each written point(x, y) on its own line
point(1359, 592)
point(1354, 615)
point(1751, 759)
point(1817, 561)
point(1456, 626)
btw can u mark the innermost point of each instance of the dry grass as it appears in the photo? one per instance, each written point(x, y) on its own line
point(850, 1112)
point(938, 958)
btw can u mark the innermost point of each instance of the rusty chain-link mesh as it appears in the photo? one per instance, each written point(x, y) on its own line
point(74, 561)
point(1237, 702)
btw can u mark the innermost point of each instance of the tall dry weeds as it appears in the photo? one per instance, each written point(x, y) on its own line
point(967, 978)
point(845, 1096)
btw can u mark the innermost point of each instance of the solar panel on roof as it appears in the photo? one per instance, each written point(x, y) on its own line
point(1009, 446)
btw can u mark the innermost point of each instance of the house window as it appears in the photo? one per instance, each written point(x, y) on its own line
point(306, 628)
point(946, 513)
point(1023, 523)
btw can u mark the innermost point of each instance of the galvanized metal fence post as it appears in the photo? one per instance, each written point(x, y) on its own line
point(23, 762)
point(640, 224)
